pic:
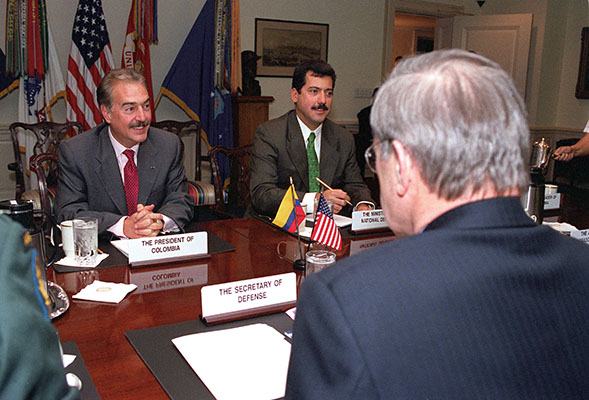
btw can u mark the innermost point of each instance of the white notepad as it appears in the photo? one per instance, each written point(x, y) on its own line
point(249, 362)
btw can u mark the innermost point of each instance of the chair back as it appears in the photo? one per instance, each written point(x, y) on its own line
point(238, 190)
point(46, 137)
point(181, 129)
point(46, 167)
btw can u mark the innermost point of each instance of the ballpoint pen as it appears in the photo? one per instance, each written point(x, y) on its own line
point(329, 187)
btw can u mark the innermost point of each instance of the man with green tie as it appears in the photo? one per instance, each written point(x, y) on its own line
point(305, 145)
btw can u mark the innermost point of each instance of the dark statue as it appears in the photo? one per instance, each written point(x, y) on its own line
point(251, 87)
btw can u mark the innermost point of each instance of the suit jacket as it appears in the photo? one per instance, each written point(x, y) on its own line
point(30, 360)
point(279, 153)
point(90, 182)
point(482, 304)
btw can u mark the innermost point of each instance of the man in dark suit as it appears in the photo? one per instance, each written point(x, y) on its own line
point(281, 149)
point(93, 166)
point(30, 359)
point(477, 301)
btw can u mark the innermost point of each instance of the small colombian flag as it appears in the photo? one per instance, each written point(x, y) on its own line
point(289, 215)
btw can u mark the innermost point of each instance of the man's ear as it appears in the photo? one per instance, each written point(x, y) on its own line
point(403, 167)
point(105, 113)
point(294, 95)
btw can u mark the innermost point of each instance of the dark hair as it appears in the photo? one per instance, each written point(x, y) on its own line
point(104, 90)
point(318, 68)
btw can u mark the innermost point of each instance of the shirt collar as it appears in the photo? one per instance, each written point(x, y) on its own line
point(119, 148)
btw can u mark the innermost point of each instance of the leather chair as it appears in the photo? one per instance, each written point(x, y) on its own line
point(47, 136)
point(202, 192)
point(231, 199)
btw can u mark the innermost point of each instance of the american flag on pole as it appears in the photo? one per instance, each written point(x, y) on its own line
point(90, 59)
point(325, 230)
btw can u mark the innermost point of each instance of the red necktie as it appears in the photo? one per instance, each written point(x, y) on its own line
point(131, 182)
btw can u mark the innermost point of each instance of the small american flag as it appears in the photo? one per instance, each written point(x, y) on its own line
point(325, 230)
point(90, 59)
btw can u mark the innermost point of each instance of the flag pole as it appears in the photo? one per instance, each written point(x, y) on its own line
point(301, 262)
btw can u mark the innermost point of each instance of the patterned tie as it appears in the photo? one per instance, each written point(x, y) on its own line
point(313, 164)
point(131, 182)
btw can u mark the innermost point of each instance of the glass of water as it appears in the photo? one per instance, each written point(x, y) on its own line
point(86, 240)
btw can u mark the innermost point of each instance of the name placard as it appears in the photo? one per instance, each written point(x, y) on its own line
point(149, 280)
point(183, 246)
point(582, 235)
point(552, 201)
point(368, 220)
point(243, 299)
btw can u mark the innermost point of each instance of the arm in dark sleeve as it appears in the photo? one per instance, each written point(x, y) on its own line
point(265, 181)
point(30, 360)
point(71, 199)
point(325, 360)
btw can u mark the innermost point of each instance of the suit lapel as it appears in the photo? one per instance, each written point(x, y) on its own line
point(147, 169)
point(107, 171)
point(295, 147)
point(328, 149)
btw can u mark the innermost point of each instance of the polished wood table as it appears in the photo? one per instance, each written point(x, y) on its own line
point(99, 329)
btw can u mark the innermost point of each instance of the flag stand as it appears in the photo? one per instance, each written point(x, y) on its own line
point(301, 263)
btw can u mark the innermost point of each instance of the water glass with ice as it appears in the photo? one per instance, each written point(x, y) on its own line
point(86, 240)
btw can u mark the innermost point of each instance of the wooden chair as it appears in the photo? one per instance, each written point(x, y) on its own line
point(201, 191)
point(47, 136)
point(46, 167)
point(231, 200)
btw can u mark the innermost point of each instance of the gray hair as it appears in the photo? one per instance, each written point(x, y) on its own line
point(460, 117)
point(105, 88)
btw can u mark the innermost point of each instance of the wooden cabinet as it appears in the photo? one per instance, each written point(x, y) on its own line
point(248, 113)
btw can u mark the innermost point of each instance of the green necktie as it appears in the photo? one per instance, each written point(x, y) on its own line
point(313, 164)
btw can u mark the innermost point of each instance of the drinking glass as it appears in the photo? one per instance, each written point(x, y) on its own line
point(86, 240)
point(319, 259)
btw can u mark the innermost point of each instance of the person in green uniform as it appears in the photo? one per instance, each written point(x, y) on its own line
point(30, 358)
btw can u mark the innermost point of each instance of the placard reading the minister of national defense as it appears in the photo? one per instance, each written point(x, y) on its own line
point(185, 245)
point(232, 297)
point(368, 220)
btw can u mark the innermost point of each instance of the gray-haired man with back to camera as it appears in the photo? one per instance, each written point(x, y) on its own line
point(477, 301)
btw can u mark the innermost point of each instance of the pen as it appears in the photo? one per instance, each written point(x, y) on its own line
point(100, 251)
point(328, 187)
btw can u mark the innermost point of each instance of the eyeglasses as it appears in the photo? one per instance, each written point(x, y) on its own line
point(370, 153)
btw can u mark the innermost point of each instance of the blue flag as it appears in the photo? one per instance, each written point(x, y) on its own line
point(190, 83)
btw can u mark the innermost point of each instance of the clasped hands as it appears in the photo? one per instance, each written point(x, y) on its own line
point(143, 223)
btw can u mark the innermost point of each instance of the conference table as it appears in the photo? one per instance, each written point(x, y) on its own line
point(98, 329)
point(260, 249)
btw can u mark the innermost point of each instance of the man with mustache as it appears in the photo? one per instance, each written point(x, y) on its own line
point(303, 144)
point(123, 172)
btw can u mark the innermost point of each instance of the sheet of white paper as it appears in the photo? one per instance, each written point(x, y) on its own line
point(249, 362)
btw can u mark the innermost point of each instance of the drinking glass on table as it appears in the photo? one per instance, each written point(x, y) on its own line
point(86, 240)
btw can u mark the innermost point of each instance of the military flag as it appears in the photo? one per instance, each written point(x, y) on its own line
point(141, 31)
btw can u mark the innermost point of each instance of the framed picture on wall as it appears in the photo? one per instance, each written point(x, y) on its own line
point(582, 91)
point(282, 45)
